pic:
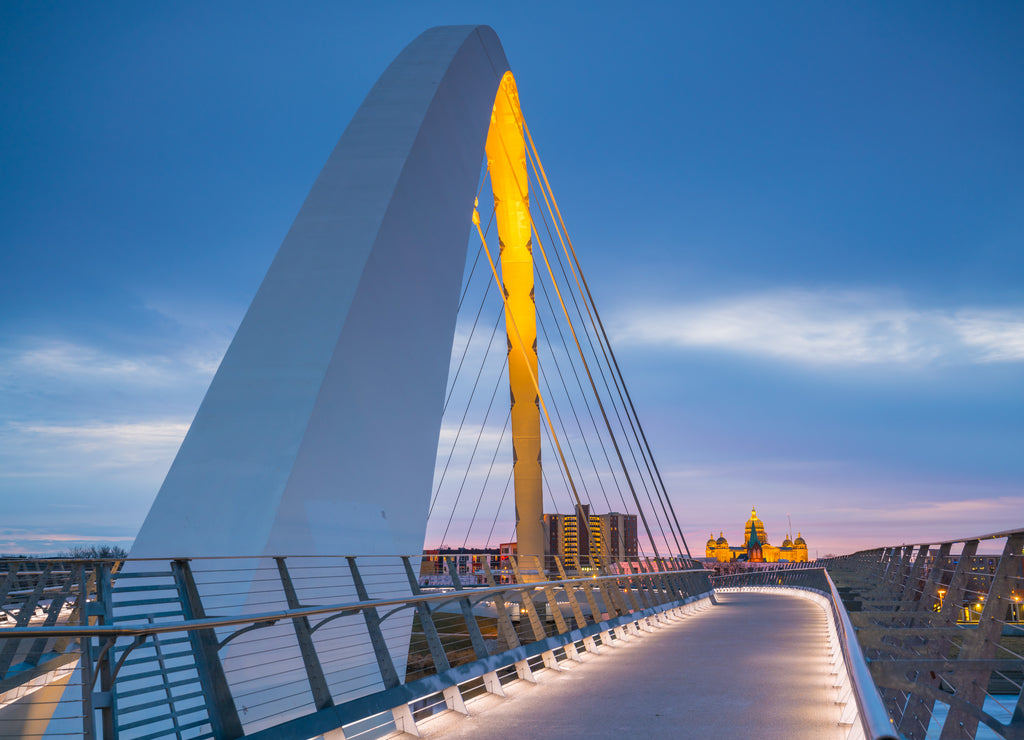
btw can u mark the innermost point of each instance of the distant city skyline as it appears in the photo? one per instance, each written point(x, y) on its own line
point(804, 226)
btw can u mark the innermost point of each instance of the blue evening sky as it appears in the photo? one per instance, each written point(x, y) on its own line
point(803, 223)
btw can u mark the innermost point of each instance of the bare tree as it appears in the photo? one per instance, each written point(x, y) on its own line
point(95, 552)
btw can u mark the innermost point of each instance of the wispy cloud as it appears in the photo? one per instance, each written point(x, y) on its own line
point(997, 337)
point(75, 411)
point(48, 449)
point(45, 360)
point(956, 510)
point(142, 433)
point(831, 328)
point(94, 446)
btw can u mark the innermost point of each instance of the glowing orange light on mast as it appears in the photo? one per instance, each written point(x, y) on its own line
point(506, 161)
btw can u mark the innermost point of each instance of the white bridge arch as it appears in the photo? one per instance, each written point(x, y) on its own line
point(318, 434)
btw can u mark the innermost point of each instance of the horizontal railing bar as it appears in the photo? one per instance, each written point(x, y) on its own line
point(147, 602)
point(125, 618)
point(106, 631)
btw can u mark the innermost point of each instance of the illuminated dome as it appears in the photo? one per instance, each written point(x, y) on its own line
point(756, 525)
point(756, 548)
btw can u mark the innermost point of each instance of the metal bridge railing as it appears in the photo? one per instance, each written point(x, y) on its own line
point(864, 712)
point(939, 623)
point(295, 647)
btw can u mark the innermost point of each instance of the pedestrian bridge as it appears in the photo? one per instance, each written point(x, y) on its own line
point(276, 589)
point(914, 641)
point(501, 650)
point(755, 665)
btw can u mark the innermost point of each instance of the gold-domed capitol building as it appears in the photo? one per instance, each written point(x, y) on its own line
point(755, 547)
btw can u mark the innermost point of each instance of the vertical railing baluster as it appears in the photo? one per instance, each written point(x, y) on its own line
point(910, 594)
point(86, 667)
point(646, 584)
point(900, 574)
point(588, 594)
point(220, 705)
point(9, 580)
point(161, 661)
point(556, 612)
point(982, 642)
point(643, 594)
point(526, 597)
point(662, 594)
point(918, 711)
point(625, 599)
point(304, 636)
point(52, 615)
point(475, 636)
point(28, 608)
point(506, 630)
point(611, 593)
point(105, 614)
point(437, 652)
point(570, 594)
point(385, 665)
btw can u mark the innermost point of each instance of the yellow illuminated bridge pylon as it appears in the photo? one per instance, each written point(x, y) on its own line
point(506, 161)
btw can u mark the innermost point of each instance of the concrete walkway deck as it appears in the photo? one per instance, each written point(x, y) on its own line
point(755, 666)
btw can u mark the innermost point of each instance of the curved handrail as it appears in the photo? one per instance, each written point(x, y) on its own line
point(872, 710)
point(353, 607)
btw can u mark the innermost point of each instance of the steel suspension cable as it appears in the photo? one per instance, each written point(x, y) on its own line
point(586, 399)
point(622, 462)
point(611, 397)
point(476, 261)
point(600, 403)
point(533, 377)
point(565, 483)
point(579, 426)
point(472, 331)
point(552, 398)
point(465, 350)
point(497, 511)
point(487, 478)
point(558, 416)
point(547, 188)
point(565, 434)
point(540, 167)
point(601, 366)
point(622, 541)
point(476, 445)
point(465, 413)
